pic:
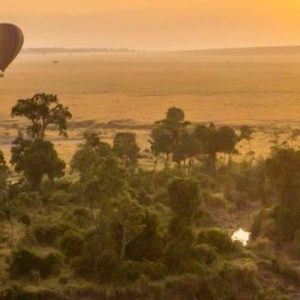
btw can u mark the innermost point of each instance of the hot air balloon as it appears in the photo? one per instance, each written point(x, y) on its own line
point(11, 42)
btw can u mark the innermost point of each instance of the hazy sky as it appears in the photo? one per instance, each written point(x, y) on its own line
point(155, 24)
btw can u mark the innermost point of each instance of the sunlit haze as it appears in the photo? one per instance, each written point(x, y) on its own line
point(160, 24)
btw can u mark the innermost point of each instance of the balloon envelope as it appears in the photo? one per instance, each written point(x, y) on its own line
point(11, 42)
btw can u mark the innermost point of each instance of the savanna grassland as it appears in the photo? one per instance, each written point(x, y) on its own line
point(250, 86)
point(125, 176)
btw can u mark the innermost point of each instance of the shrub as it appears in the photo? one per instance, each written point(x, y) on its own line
point(52, 264)
point(133, 270)
point(241, 276)
point(218, 238)
point(46, 234)
point(29, 200)
point(25, 219)
point(25, 262)
point(205, 253)
point(104, 266)
point(80, 217)
point(59, 197)
point(71, 243)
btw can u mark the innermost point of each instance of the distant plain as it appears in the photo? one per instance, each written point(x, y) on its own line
point(260, 87)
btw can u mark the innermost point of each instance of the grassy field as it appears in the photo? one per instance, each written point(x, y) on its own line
point(252, 86)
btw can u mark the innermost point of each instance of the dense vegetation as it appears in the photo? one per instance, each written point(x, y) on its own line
point(114, 229)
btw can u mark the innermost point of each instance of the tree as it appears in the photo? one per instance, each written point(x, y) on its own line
point(188, 148)
point(42, 110)
point(128, 216)
point(35, 159)
point(294, 135)
point(126, 148)
point(184, 197)
point(282, 169)
point(207, 136)
point(246, 134)
point(87, 158)
point(226, 140)
point(147, 245)
point(166, 134)
point(216, 140)
point(184, 201)
point(3, 173)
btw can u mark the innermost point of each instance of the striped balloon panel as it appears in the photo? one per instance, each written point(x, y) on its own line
point(11, 42)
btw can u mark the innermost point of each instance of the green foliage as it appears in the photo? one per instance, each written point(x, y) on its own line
point(60, 197)
point(4, 171)
point(109, 180)
point(80, 217)
point(165, 136)
point(184, 197)
point(46, 234)
point(149, 244)
point(128, 218)
point(24, 261)
point(36, 159)
point(283, 171)
point(218, 238)
point(125, 147)
point(42, 110)
point(90, 155)
point(29, 200)
point(71, 243)
point(132, 270)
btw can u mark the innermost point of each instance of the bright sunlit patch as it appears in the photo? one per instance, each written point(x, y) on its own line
point(241, 236)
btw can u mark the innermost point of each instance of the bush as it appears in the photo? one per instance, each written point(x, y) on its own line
point(241, 276)
point(29, 200)
point(25, 262)
point(133, 270)
point(71, 243)
point(59, 197)
point(80, 217)
point(25, 219)
point(104, 266)
point(205, 253)
point(218, 238)
point(52, 264)
point(46, 234)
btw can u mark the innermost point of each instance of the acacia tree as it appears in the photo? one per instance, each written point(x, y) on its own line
point(165, 136)
point(42, 110)
point(36, 157)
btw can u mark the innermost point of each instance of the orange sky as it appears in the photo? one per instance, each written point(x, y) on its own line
point(155, 24)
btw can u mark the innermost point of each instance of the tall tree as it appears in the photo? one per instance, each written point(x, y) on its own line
point(165, 136)
point(87, 158)
point(126, 148)
point(128, 216)
point(282, 169)
point(216, 140)
point(42, 110)
point(35, 159)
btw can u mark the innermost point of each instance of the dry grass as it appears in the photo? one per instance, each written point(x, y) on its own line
point(225, 87)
